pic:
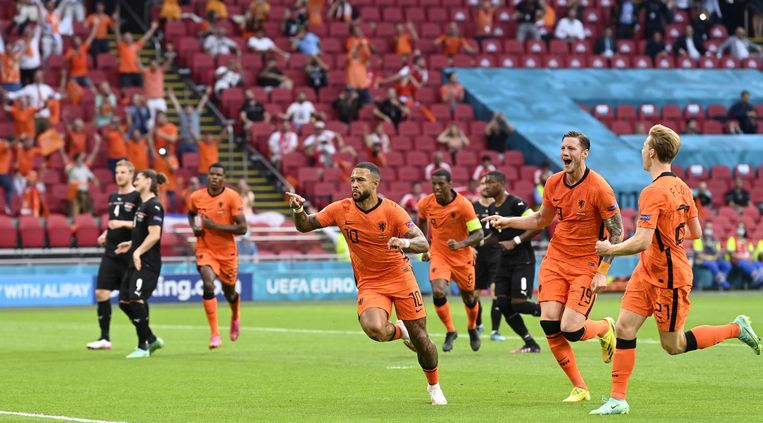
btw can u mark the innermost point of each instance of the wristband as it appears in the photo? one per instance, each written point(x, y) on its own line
point(603, 267)
point(406, 243)
point(517, 240)
point(299, 210)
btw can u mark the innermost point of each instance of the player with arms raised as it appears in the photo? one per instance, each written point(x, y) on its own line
point(662, 280)
point(216, 215)
point(378, 232)
point(583, 202)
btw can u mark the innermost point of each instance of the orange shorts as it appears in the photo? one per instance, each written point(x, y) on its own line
point(225, 269)
point(405, 295)
point(439, 268)
point(669, 306)
point(567, 283)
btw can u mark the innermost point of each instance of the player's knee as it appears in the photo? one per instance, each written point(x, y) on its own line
point(624, 331)
point(551, 327)
point(573, 336)
point(671, 348)
point(102, 295)
point(439, 300)
point(375, 332)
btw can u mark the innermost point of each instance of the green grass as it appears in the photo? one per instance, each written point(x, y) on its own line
point(310, 362)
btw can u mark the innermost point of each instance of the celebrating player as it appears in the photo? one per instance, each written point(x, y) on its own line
point(378, 232)
point(146, 261)
point(122, 207)
point(662, 280)
point(455, 228)
point(516, 275)
point(486, 266)
point(582, 201)
point(216, 215)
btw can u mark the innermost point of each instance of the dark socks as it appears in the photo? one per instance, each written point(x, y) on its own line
point(495, 316)
point(527, 307)
point(479, 314)
point(104, 318)
point(140, 319)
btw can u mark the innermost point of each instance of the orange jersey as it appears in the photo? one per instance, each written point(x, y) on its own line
point(23, 121)
point(581, 210)
point(137, 153)
point(449, 222)
point(77, 142)
point(128, 57)
point(665, 206)
point(208, 155)
point(116, 146)
point(104, 23)
point(221, 208)
point(367, 234)
point(451, 44)
point(5, 157)
point(10, 72)
point(78, 60)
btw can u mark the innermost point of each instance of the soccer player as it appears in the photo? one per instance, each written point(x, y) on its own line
point(486, 266)
point(569, 278)
point(379, 232)
point(122, 207)
point(516, 272)
point(145, 261)
point(455, 228)
point(216, 215)
point(662, 280)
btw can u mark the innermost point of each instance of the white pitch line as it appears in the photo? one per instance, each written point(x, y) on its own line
point(49, 417)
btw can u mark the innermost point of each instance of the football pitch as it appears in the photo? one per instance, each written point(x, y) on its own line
point(311, 362)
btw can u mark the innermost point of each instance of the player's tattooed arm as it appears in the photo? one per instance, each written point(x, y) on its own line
point(614, 226)
point(416, 238)
point(302, 221)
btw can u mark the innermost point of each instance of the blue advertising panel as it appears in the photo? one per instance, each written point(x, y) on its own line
point(43, 290)
point(181, 288)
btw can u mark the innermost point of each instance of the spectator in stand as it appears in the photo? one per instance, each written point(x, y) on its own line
point(76, 136)
point(526, 14)
point(692, 127)
point(409, 79)
point(138, 115)
point(292, 23)
point(101, 22)
point(548, 23)
point(497, 132)
point(252, 111)
point(164, 135)
point(347, 106)
point(709, 255)
point(454, 138)
point(703, 196)
point(357, 76)
point(281, 142)
point(570, 28)
point(738, 196)
point(259, 43)
point(70, 11)
point(76, 57)
point(452, 42)
point(218, 7)
point(740, 247)
point(742, 116)
point(25, 153)
point(137, 150)
point(39, 95)
point(6, 179)
point(129, 70)
point(217, 43)
point(307, 43)
point(452, 92)
point(378, 144)
point(359, 42)
point(625, 14)
point(33, 196)
point(206, 26)
point(209, 153)
point(52, 42)
point(739, 46)
point(316, 72)
point(324, 144)
point(116, 144)
point(10, 72)
point(105, 104)
point(79, 178)
point(656, 16)
point(314, 11)
point(437, 164)
point(30, 60)
point(27, 12)
point(410, 201)
point(23, 117)
point(228, 76)
point(342, 10)
point(483, 168)
point(258, 12)
point(246, 195)
point(167, 163)
point(404, 40)
point(391, 110)
point(300, 112)
point(606, 44)
point(483, 20)
point(539, 179)
point(189, 118)
point(271, 76)
point(656, 47)
point(690, 44)
point(170, 11)
point(153, 86)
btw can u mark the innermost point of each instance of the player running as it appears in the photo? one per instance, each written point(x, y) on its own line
point(379, 232)
point(113, 267)
point(145, 261)
point(515, 279)
point(216, 215)
point(662, 280)
point(455, 228)
point(583, 202)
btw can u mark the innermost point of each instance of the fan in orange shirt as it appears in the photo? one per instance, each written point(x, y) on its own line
point(583, 202)
point(661, 283)
point(452, 42)
point(6, 180)
point(165, 134)
point(137, 150)
point(208, 154)
point(101, 22)
point(76, 137)
point(378, 232)
point(116, 145)
point(454, 229)
point(404, 39)
point(23, 117)
point(76, 56)
point(128, 49)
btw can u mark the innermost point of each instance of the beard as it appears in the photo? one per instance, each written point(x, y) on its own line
point(363, 196)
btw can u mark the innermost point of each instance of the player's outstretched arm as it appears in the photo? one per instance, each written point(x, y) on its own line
point(302, 221)
point(535, 221)
point(637, 243)
point(414, 241)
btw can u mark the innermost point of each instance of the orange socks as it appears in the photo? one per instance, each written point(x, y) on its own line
point(622, 366)
point(471, 314)
point(594, 328)
point(234, 307)
point(433, 376)
point(210, 306)
point(398, 333)
point(707, 336)
point(443, 311)
point(566, 358)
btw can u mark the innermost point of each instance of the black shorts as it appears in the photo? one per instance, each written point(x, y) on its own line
point(486, 268)
point(515, 280)
point(138, 284)
point(111, 272)
point(130, 80)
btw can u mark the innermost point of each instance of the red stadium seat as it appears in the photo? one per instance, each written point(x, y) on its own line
point(59, 231)
point(86, 231)
point(31, 232)
point(625, 112)
point(10, 237)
